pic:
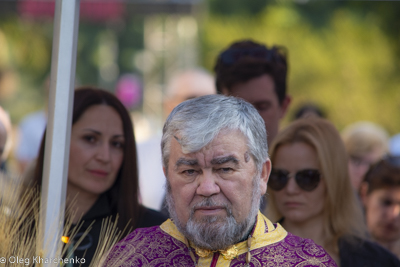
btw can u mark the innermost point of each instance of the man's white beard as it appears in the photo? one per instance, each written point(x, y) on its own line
point(216, 232)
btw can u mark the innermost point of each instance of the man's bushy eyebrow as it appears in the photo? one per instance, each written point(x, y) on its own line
point(187, 162)
point(222, 160)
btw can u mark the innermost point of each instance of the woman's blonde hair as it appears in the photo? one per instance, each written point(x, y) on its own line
point(342, 211)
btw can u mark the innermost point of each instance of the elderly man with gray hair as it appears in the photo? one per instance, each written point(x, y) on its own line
point(215, 159)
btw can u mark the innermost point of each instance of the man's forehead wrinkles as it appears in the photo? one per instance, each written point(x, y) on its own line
point(204, 159)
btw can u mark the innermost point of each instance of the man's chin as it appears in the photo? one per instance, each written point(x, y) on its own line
point(211, 212)
point(210, 219)
point(207, 235)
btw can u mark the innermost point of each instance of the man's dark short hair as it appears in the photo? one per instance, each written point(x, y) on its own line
point(384, 174)
point(246, 60)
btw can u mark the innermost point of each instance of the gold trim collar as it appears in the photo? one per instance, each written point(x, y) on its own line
point(264, 234)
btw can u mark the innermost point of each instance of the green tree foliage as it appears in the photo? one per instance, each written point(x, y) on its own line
point(236, 7)
point(26, 52)
point(26, 47)
point(345, 61)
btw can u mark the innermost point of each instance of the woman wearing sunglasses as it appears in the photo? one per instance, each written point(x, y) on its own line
point(311, 196)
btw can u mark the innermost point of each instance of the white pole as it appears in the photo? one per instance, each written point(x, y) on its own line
point(66, 21)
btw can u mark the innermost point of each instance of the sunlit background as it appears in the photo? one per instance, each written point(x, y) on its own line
point(343, 55)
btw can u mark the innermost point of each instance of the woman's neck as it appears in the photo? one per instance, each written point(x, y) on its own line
point(78, 203)
point(312, 229)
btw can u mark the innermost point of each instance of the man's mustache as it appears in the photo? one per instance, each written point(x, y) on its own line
point(209, 202)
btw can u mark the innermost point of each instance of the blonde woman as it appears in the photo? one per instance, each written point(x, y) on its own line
point(319, 203)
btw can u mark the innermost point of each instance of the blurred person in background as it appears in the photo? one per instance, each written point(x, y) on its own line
point(182, 86)
point(394, 145)
point(102, 173)
point(30, 132)
point(186, 85)
point(257, 74)
point(380, 192)
point(308, 110)
point(5, 137)
point(311, 196)
point(366, 143)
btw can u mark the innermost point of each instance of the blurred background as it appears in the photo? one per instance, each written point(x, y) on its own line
point(343, 55)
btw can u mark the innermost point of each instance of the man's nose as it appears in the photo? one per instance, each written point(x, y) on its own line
point(207, 185)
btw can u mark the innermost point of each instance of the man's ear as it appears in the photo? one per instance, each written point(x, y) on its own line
point(164, 171)
point(364, 193)
point(265, 171)
point(285, 104)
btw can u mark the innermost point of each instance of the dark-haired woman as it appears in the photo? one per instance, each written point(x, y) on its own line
point(102, 173)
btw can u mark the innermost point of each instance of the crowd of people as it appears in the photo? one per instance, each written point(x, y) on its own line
point(224, 185)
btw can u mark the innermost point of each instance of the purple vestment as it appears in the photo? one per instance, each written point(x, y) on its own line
point(165, 246)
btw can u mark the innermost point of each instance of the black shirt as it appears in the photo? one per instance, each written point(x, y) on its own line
point(355, 252)
point(94, 217)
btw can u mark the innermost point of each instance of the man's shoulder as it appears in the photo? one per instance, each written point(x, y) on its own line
point(290, 251)
point(145, 246)
point(142, 233)
point(277, 247)
point(307, 246)
point(297, 241)
point(294, 250)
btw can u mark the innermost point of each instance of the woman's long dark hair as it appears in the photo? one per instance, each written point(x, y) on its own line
point(124, 194)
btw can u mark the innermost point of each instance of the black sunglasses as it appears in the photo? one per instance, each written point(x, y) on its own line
point(232, 55)
point(307, 179)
